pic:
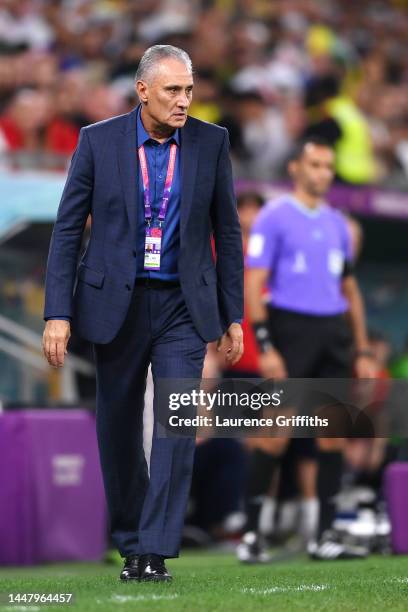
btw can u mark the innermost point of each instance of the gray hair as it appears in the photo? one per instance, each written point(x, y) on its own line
point(154, 54)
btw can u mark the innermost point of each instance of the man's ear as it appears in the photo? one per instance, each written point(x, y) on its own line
point(141, 90)
point(292, 168)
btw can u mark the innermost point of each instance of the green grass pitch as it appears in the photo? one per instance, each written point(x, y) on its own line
point(216, 582)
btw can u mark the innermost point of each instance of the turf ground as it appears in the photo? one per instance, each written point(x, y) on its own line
point(215, 582)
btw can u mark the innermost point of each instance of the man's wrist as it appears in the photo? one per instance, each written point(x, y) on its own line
point(263, 336)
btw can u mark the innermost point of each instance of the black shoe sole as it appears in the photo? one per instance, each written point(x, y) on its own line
point(129, 578)
point(156, 579)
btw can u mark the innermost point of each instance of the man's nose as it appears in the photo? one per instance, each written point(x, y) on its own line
point(183, 101)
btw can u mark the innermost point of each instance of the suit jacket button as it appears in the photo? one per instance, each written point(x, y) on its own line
point(134, 253)
point(128, 287)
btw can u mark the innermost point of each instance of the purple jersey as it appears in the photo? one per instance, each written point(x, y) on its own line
point(305, 250)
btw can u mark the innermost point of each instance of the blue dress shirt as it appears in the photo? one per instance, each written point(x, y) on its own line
point(157, 156)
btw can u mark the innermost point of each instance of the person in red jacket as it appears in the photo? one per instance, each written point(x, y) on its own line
point(249, 204)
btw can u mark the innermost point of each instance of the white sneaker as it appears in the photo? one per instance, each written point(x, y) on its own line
point(330, 548)
point(252, 549)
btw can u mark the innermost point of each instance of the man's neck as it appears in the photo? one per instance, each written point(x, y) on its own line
point(155, 130)
point(308, 200)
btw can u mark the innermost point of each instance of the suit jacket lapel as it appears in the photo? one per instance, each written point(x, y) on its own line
point(189, 160)
point(128, 167)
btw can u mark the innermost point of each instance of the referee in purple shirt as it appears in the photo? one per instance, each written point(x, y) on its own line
point(300, 248)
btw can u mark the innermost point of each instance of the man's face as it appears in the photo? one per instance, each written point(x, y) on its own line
point(314, 170)
point(168, 93)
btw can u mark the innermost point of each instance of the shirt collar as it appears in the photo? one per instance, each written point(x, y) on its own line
point(143, 136)
point(309, 212)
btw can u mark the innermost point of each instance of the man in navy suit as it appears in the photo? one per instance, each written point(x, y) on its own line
point(158, 185)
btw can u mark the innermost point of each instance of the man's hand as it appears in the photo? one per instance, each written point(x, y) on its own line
point(232, 343)
point(55, 339)
point(272, 365)
point(366, 367)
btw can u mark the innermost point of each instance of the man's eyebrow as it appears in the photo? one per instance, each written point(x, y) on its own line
point(178, 86)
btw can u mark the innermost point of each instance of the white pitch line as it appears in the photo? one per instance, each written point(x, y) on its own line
point(121, 599)
point(400, 580)
point(278, 589)
point(23, 608)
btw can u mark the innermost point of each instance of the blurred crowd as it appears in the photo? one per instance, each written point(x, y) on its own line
point(270, 71)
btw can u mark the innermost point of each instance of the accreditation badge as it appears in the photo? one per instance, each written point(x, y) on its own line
point(153, 242)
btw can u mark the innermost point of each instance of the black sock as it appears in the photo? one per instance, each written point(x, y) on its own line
point(260, 471)
point(328, 485)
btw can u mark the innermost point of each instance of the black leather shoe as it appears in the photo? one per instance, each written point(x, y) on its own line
point(152, 567)
point(131, 568)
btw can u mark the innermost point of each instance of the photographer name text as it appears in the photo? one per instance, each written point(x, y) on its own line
point(218, 421)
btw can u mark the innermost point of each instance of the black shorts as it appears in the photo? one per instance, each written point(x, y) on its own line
point(312, 346)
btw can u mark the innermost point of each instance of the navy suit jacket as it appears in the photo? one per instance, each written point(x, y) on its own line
point(103, 181)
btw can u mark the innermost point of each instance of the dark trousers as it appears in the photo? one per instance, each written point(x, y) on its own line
point(146, 513)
